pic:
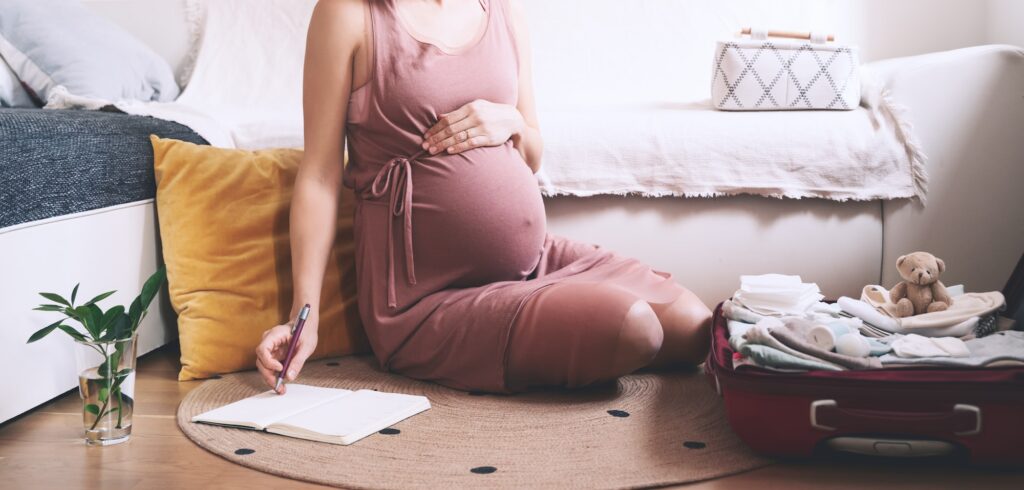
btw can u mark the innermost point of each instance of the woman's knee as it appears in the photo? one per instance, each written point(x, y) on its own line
point(640, 338)
point(687, 322)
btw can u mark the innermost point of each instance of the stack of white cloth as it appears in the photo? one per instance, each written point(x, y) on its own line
point(777, 294)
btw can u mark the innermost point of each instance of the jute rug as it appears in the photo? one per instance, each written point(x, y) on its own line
point(644, 430)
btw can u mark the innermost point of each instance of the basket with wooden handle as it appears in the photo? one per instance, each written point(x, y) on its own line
point(765, 70)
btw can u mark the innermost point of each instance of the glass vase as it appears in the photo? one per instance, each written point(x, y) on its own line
point(106, 382)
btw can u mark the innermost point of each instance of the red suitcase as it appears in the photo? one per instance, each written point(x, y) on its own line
point(977, 413)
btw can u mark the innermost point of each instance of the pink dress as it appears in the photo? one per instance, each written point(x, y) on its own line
point(452, 250)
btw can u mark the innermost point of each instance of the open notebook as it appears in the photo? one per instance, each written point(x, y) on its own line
point(319, 414)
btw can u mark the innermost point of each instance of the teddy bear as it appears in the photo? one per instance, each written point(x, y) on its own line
point(920, 291)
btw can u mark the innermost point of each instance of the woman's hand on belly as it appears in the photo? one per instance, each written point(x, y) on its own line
point(476, 124)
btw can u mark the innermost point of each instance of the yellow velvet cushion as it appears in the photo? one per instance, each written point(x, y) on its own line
point(223, 217)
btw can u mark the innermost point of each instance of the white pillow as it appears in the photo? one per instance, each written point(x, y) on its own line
point(71, 57)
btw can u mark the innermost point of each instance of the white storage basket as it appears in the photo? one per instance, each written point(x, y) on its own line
point(761, 74)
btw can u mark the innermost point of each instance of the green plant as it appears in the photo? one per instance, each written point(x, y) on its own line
point(102, 329)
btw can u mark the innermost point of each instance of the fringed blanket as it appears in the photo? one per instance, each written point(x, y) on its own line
point(693, 150)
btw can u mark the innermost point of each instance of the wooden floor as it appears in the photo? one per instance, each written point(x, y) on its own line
point(44, 449)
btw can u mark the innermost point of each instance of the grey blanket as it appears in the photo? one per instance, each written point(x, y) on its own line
point(58, 162)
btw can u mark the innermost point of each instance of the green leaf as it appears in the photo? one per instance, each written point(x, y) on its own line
point(49, 308)
point(56, 298)
point(74, 294)
point(81, 315)
point(150, 288)
point(89, 315)
point(72, 332)
point(135, 313)
point(77, 313)
point(103, 394)
point(100, 297)
point(121, 329)
point(107, 321)
point(124, 372)
point(102, 371)
point(93, 409)
point(43, 332)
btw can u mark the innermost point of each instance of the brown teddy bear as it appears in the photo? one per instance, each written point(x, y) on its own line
point(920, 291)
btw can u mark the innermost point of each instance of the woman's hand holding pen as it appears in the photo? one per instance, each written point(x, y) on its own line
point(272, 350)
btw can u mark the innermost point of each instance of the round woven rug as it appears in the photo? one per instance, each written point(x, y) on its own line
point(647, 429)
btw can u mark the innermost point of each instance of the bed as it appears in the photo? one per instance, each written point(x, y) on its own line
point(76, 205)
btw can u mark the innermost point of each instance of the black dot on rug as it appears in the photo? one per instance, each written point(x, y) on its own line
point(243, 451)
point(618, 413)
point(389, 431)
point(478, 393)
point(694, 445)
point(332, 364)
point(483, 470)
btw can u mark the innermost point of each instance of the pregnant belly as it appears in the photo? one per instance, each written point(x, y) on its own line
point(478, 217)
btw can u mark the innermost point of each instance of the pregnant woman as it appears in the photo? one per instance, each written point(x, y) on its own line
point(458, 280)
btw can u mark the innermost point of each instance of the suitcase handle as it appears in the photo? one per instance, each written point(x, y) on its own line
point(962, 420)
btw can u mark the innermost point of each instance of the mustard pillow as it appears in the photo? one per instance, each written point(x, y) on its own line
point(223, 217)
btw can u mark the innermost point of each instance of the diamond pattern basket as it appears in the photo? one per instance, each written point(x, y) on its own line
point(759, 74)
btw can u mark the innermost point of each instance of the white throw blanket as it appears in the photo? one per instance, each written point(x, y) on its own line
point(695, 150)
point(246, 92)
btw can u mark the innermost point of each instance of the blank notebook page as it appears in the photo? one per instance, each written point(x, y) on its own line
point(354, 413)
point(269, 407)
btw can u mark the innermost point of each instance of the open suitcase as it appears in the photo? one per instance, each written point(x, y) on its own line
point(975, 413)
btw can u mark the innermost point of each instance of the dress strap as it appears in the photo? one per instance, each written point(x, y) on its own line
point(395, 179)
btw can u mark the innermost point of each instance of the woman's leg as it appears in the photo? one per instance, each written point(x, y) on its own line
point(575, 334)
point(687, 326)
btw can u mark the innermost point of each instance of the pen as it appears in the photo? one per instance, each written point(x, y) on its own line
point(296, 332)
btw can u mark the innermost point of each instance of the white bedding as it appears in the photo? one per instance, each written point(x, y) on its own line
point(245, 90)
point(695, 150)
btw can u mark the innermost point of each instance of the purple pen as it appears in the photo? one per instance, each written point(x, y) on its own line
point(296, 332)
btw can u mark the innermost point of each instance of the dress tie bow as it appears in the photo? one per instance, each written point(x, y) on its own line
point(395, 178)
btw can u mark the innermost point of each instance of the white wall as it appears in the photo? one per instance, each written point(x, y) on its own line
point(627, 51)
point(891, 28)
point(1005, 22)
point(589, 44)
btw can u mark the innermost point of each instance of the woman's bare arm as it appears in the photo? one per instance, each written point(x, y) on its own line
point(336, 31)
point(528, 140)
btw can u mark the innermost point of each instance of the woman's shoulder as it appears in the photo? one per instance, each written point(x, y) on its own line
point(347, 14)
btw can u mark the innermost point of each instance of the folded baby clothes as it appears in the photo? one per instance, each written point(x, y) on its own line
point(792, 340)
point(761, 335)
point(914, 345)
point(875, 318)
point(868, 313)
point(770, 358)
point(965, 306)
point(765, 356)
point(776, 294)
point(733, 311)
point(1000, 347)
